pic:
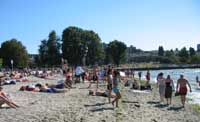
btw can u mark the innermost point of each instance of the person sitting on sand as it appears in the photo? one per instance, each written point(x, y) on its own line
point(116, 80)
point(68, 81)
point(135, 84)
point(4, 99)
point(182, 88)
point(168, 90)
point(161, 86)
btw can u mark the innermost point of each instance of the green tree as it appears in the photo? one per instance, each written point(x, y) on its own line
point(195, 59)
point(14, 50)
point(161, 51)
point(53, 50)
point(43, 53)
point(78, 43)
point(117, 51)
point(169, 53)
point(192, 51)
point(183, 55)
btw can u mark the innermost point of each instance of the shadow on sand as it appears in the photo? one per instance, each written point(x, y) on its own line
point(175, 108)
point(161, 105)
point(129, 101)
point(5, 107)
point(153, 102)
point(101, 109)
point(97, 104)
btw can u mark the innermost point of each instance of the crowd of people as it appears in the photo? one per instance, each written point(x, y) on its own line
point(111, 76)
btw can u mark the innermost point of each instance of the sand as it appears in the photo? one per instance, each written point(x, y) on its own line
point(77, 106)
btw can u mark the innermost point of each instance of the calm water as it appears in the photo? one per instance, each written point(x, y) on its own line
point(189, 74)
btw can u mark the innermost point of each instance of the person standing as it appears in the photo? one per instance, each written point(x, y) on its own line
point(140, 75)
point(182, 88)
point(109, 83)
point(168, 90)
point(161, 86)
point(148, 79)
point(197, 80)
point(116, 78)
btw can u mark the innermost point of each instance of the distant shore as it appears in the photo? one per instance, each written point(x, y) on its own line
point(162, 67)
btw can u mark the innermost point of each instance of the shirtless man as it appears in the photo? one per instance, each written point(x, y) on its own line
point(182, 85)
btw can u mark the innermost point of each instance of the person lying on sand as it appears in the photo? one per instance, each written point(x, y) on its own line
point(42, 88)
point(4, 99)
point(100, 93)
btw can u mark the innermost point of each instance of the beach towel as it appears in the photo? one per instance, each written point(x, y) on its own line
point(141, 91)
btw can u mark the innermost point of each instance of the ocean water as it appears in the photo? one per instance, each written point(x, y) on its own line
point(189, 74)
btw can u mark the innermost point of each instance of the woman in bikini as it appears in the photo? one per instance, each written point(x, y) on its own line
point(116, 78)
point(182, 88)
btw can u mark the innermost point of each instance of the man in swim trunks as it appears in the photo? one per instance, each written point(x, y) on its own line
point(182, 85)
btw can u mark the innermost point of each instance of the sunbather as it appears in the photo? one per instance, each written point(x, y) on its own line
point(4, 99)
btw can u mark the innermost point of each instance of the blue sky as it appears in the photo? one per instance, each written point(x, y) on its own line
point(145, 24)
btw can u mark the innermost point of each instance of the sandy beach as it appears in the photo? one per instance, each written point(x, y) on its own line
point(77, 106)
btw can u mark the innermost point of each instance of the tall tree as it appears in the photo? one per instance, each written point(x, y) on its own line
point(14, 50)
point(160, 51)
point(53, 49)
point(117, 51)
point(192, 51)
point(79, 43)
point(184, 55)
point(43, 53)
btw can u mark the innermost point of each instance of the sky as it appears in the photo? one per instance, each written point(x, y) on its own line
point(145, 24)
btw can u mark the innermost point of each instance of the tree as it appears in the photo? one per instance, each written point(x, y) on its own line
point(192, 51)
point(14, 50)
point(184, 55)
point(117, 51)
point(195, 59)
point(160, 51)
point(43, 53)
point(53, 50)
point(169, 53)
point(78, 44)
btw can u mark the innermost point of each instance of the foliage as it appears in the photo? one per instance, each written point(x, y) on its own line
point(160, 51)
point(49, 51)
point(53, 51)
point(78, 43)
point(183, 55)
point(14, 50)
point(195, 59)
point(117, 51)
point(192, 51)
point(43, 53)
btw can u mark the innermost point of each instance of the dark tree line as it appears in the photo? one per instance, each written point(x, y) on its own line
point(80, 47)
